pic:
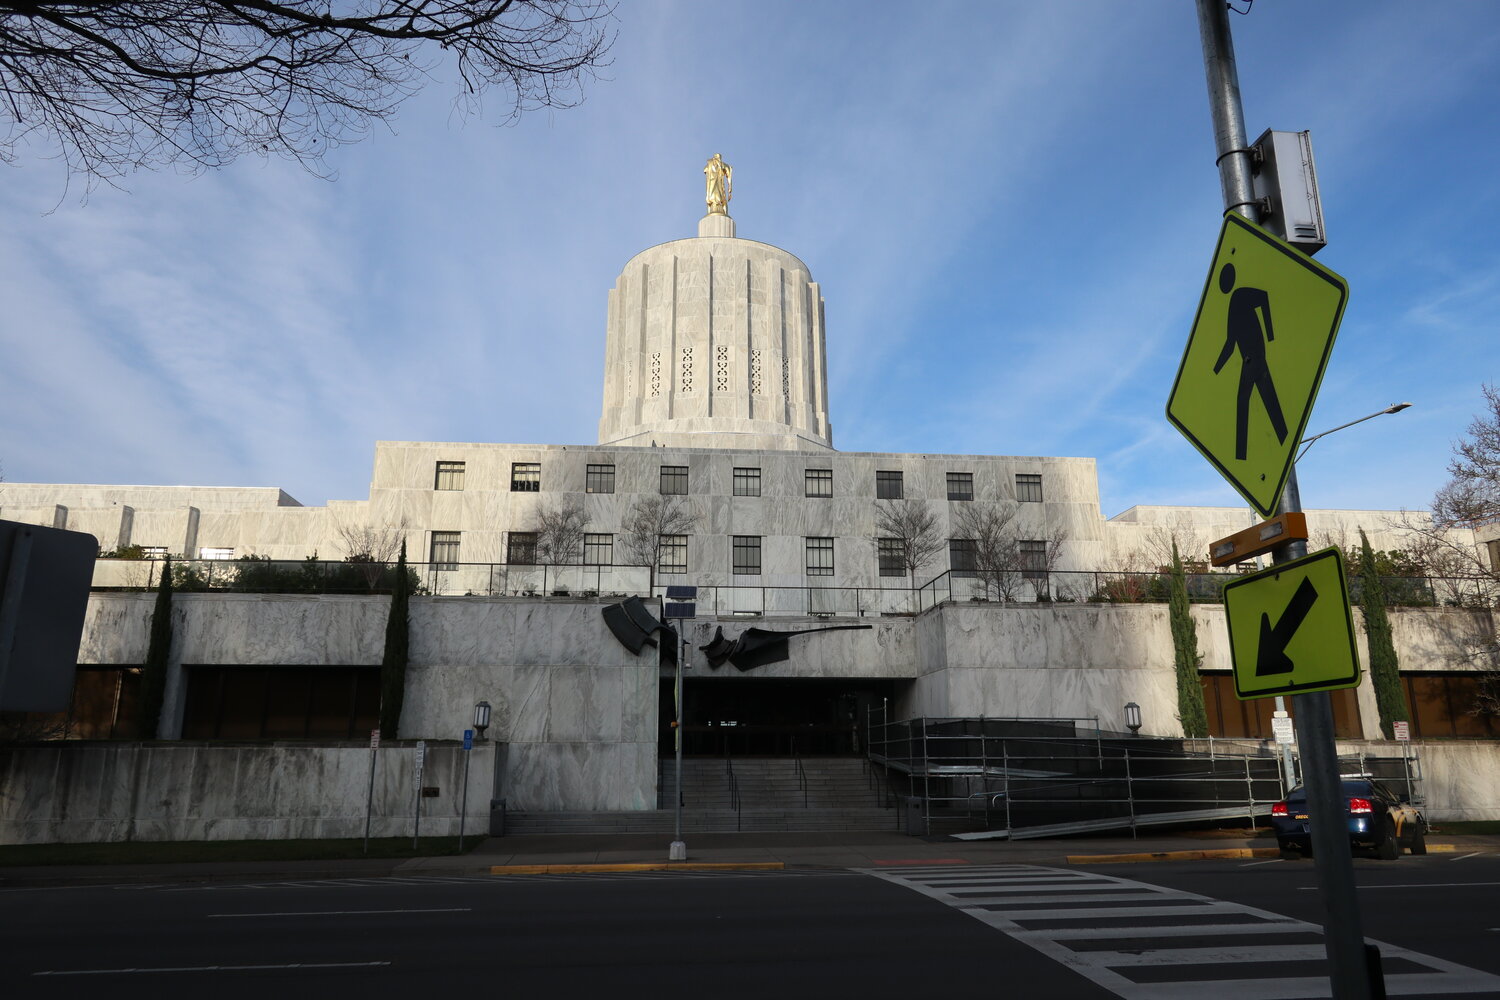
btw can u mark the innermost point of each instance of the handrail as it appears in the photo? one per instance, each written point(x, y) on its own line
point(734, 790)
point(954, 764)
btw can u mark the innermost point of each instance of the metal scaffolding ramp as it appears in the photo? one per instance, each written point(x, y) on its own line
point(984, 777)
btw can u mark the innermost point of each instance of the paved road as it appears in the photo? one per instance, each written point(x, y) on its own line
point(771, 935)
point(1208, 929)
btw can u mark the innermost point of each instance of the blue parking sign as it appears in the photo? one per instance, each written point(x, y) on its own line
point(468, 739)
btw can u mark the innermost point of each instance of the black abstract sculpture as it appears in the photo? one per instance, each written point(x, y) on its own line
point(634, 626)
point(756, 647)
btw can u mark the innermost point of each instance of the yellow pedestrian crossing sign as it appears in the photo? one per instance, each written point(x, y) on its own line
point(1290, 629)
point(1260, 342)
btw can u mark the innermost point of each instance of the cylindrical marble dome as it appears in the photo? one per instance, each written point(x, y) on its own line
point(715, 342)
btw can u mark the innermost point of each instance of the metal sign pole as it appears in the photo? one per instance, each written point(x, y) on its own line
point(463, 809)
point(370, 795)
point(1343, 934)
point(678, 850)
point(682, 613)
point(416, 829)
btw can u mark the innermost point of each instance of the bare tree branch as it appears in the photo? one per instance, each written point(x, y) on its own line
point(560, 527)
point(114, 87)
point(1472, 497)
point(915, 528)
point(649, 518)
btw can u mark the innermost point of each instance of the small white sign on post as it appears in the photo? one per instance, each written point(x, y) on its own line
point(1281, 727)
point(421, 755)
point(374, 739)
point(1403, 731)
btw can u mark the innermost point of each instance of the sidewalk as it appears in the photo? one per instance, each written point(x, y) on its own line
point(793, 850)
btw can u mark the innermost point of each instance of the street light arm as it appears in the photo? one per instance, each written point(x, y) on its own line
point(1307, 443)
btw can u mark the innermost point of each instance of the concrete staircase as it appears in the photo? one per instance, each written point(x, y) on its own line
point(826, 794)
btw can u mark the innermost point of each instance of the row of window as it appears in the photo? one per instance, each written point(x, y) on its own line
point(526, 477)
point(599, 550)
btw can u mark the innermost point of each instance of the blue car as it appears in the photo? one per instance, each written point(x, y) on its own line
point(1379, 820)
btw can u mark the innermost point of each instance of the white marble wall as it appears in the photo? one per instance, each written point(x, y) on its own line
point(99, 792)
point(715, 342)
point(577, 708)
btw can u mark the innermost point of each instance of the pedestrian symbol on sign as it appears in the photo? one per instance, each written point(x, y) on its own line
point(1280, 362)
point(1249, 331)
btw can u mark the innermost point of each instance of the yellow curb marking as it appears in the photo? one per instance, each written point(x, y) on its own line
point(1227, 853)
point(1221, 853)
point(696, 866)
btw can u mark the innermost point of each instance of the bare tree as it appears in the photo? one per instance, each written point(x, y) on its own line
point(914, 528)
point(1472, 497)
point(370, 546)
point(1004, 562)
point(1465, 573)
point(118, 86)
point(560, 526)
point(649, 518)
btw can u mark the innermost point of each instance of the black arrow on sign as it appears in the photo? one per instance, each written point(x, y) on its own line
point(1271, 657)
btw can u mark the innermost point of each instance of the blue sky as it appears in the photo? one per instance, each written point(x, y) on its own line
point(1010, 206)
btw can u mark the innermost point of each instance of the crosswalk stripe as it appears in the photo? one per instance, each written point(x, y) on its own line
point(1016, 908)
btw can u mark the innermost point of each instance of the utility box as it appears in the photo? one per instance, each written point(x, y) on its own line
point(1286, 184)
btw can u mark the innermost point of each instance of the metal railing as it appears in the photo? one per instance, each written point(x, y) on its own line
point(324, 576)
point(1056, 776)
point(1109, 587)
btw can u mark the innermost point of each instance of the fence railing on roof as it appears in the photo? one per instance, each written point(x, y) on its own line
point(896, 597)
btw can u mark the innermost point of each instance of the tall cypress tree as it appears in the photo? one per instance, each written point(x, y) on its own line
point(1385, 668)
point(393, 662)
point(158, 652)
point(1185, 654)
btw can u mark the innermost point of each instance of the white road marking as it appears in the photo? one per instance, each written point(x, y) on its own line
point(1273, 861)
point(211, 968)
point(1197, 934)
point(1467, 856)
point(342, 913)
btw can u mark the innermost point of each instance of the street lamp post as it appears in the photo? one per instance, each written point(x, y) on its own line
point(1307, 443)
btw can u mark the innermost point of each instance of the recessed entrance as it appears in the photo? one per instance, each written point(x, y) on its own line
point(783, 717)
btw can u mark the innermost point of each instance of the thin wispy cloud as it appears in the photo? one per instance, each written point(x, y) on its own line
point(1009, 207)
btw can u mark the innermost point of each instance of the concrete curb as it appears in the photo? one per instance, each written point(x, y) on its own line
point(697, 866)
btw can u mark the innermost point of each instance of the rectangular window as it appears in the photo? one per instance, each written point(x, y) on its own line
point(960, 486)
point(820, 482)
point(747, 482)
point(449, 476)
point(674, 480)
point(215, 553)
point(444, 550)
point(599, 550)
point(520, 548)
point(887, 486)
point(672, 553)
point(747, 555)
point(153, 551)
point(1028, 488)
point(599, 479)
point(962, 557)
point(1033, 559)
point(820, 557)
point(892, 558)
point(1441, 703)
point(525, 477)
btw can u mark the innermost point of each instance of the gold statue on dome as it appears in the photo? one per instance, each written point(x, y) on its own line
point(720, 185)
